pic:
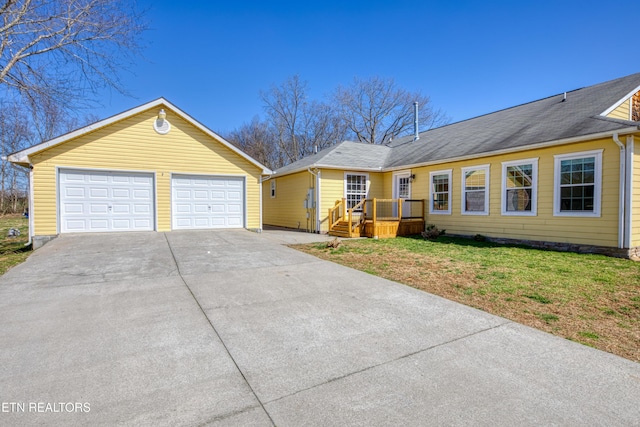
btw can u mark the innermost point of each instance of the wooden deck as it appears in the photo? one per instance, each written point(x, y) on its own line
point(363, 219)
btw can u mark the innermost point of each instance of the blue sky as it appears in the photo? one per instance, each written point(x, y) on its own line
point(212, 58)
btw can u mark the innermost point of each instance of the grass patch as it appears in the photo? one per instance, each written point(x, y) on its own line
point(548, 318)
point(12, 249)
point(580, 292)
point(539, 298)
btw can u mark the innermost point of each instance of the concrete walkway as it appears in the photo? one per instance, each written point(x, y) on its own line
point(231, 328)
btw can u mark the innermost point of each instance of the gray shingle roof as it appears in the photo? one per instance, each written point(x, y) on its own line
point(537, 122)
point(344, 155)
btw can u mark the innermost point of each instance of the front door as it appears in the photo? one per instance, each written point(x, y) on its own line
point(402, 189)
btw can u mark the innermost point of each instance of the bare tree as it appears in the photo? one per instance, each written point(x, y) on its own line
point(258, 140)
point(321, 127)
point(283, 105)
point(14, 135)
point(376, 110)
point(59, 49)
point(301, 126)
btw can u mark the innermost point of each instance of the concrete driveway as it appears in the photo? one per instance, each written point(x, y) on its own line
point(233, 328)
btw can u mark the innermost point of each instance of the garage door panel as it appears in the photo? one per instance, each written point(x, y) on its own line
point(182, 194)
point(215, 202)
point(121, 209)
point(121, 193)
point(234, 208)
point(200, 208)
point(99, 224)
point(98, 208)
point(142, 194)
point(200, 195)
point(234, 195)
point(97, 177)
point(102, 201)
point(142, 209)
point(71, 192)
point(235, 222)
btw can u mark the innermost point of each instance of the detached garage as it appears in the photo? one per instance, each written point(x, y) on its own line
point(152, 168)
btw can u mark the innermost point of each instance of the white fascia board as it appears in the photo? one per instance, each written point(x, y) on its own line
point(617, 104)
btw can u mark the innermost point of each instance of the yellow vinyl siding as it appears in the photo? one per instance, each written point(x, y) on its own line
point(635, 203)
point(332, 190)
point(287, 208)
point(622, 111)
point(598, 231)
point(132, 145)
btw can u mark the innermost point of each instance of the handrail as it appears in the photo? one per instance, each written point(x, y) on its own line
point(336, 207)
point(355, 208)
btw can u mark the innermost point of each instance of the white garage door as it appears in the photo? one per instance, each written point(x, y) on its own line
point(207, 202)
point(102, 201)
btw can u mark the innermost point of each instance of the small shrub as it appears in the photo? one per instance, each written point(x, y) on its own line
point(479, 238)
point(432, 232)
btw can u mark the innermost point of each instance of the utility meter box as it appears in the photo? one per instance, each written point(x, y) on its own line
point(310, 202)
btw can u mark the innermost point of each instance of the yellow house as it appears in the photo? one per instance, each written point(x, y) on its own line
point(150, 168)
point(561, 172)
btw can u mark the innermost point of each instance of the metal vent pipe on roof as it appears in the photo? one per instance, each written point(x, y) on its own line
point(416, 134)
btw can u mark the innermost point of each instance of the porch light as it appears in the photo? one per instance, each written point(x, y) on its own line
point(161, 124)
point(412, 177)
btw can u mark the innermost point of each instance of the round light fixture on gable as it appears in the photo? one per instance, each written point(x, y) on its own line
point(161, 124)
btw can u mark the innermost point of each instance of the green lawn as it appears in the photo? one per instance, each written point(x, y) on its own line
point(12, 249)
point(591, 299)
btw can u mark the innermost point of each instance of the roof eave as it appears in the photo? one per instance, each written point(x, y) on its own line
point(324, 166)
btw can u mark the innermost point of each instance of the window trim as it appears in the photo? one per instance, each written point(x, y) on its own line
point(597, 181)
point(367, 185)
point(487, 169)
point(273, 188)
point(449, 173)
point(534, 187)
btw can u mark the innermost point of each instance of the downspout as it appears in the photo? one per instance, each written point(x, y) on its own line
point(623, 183)
point(317, 191)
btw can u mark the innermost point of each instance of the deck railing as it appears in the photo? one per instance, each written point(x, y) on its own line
point(375, 210)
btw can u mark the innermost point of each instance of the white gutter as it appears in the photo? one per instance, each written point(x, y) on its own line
point(317, 191)
point(621, 198)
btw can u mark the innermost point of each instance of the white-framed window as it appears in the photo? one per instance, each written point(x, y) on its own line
point(355, 187)
point(440, 182)
point(273, 188)
point(577, 186)
point(475, 190)
point(520, 187)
